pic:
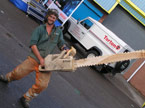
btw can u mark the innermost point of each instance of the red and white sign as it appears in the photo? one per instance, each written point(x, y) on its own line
point(111, 43)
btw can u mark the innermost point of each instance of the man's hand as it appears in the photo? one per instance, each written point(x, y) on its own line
point(42, 62)
point(65, 48)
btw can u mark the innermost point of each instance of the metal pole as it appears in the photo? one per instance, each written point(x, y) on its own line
point(136, 71)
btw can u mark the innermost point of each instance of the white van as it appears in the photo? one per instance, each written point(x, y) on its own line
point(98, 40)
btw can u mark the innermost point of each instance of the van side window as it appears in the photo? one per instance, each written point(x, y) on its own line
point(86, 23)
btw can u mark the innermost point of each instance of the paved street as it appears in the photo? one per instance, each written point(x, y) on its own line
point(84, 88)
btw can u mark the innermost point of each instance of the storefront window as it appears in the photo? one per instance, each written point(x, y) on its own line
point(67, 6)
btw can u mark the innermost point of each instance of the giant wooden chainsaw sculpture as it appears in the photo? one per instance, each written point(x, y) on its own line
point(66, 62)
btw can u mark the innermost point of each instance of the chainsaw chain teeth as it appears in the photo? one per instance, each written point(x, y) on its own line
point(110, 58)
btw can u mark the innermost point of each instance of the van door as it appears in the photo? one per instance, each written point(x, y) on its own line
point(82, 28)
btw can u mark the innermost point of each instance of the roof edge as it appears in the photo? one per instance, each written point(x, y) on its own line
point(132, 14)
point(110, 10)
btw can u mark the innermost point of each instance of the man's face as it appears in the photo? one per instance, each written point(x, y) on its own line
point(51, 19)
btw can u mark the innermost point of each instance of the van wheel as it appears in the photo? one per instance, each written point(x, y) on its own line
point(121, 66)
point(93, 53)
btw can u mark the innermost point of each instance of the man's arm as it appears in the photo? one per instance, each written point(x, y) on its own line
point(37, 54)
point(61, 43)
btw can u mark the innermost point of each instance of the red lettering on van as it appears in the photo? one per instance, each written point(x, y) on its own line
point(117, 47)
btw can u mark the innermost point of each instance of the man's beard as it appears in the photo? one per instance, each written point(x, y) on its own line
point(50, 23)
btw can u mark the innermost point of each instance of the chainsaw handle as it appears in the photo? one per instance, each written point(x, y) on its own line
point(62, 54)
point(71, 52)
point(42, 67)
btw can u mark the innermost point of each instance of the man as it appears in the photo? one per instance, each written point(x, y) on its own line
point(43, 41)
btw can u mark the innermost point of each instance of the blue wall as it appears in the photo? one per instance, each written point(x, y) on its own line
point(87, 9)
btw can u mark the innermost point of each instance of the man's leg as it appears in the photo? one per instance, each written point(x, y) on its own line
point(19, 72)
point(41, 83)
point(28, 66)
point(22, 70)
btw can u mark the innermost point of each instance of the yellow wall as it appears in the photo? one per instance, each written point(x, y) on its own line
point(137, 9)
